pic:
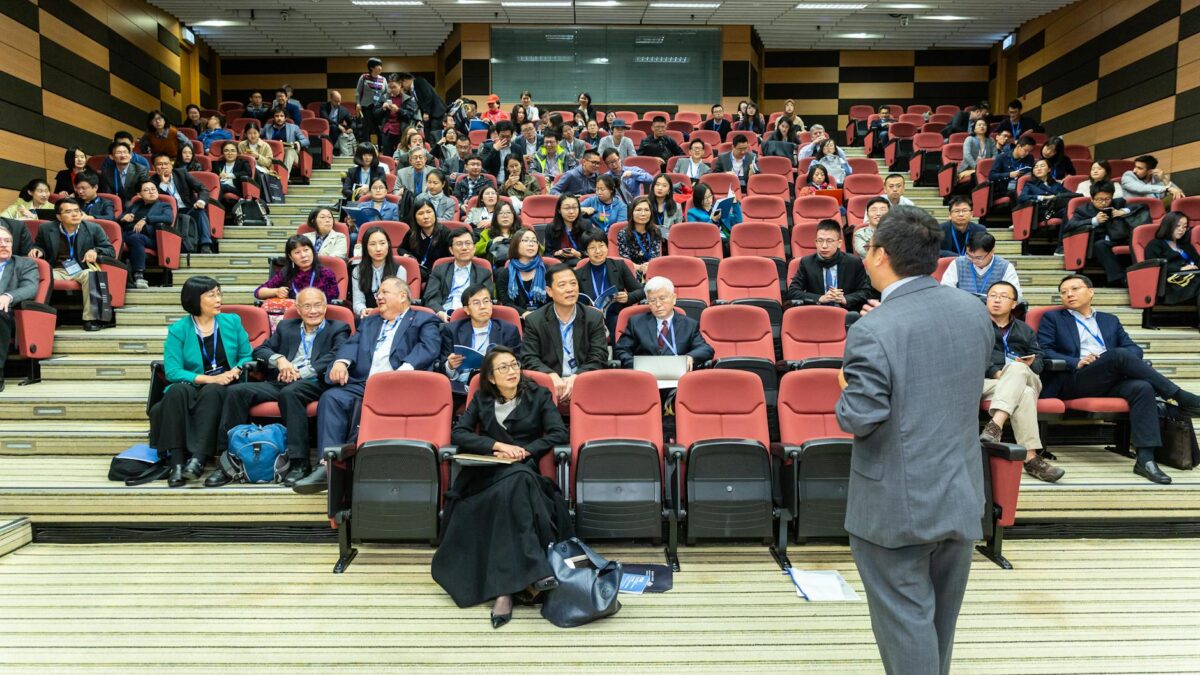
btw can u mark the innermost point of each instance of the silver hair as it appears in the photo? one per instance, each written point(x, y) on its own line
point(659, 284)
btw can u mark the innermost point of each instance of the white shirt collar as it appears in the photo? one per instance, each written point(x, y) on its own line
point(893, 286)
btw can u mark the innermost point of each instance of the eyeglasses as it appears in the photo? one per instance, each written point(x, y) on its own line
point(999, 296)
point(507, 367)
point(826, 242)
point(977, 257)
point(961, 212)
point(658, 300)
point(481, 302)
point(463, 244)
point(314, 307)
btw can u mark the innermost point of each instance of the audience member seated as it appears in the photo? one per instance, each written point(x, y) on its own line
point(1054, 151)
point(494, 112)
point(893, 190)
point(789, 114)
point(964, 120)
point(18, 283)
point(819, 136)
point(518, 182)
point(71, 246)
point(499, 520)
point(830, 157)
point(1172, 244)
point(257, 108)
point(377, 264)
point(192, 119)
point(494, 151)
point(1102, 360)
point(231, 171)
point(1043, 189)
point(664, 210)
point(22, 239)
point(293, 138)
point(528, 142)
point(818, 179)
point(1112, 222)
point(1012, 382)
point(570, 143)
point(125, 138)
point(584, 111)
point(298, 354)
point(478, 331)
point(186, 160)
point(958, 230)
point(1145, 179)
point(252, 144)
point(662, 331)
point(617, 140)
point(1100, 171)
point(739, 161)
point(214, 132)
point(204, 353)
point(428, 241)
point(783, 132)
point(480, 215)
point(830, 276)
point(291, 108)
point(94, 207)
point(472, 182)
point(641, 241)
point(191, 198)
point(693, 166)
point(410, 140)
point(606, 206)
point(366, 169)
point(581, 179)
point(716, 121)
point(34, 196)
point(337, 116)
point(435, 193)
point(76, 164)
point(658, 143)
point(326, 240)
point(608, 283)
point(447, 282)
point(753, 121)
point(412, 177)
point(397, 338)
point(138, 225)
point(979, 145)
point(122, 176)
point(521, 283)
point(161, 137)
point(562, 338)
point(1010, 166)
point(494, 240)
point(302, 269)
point(879, 127)
point(1016, 123)
point(877, 208)
point(631, 179)
point(552, 160)
point(976, 271)
point(564, 232)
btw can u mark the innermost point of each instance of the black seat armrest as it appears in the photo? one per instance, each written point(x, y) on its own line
point(446, 453)
point(1057, 366)
point(1009, 451)
point(340, 453)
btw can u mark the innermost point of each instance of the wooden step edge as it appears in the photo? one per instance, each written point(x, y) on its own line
point(14, 534)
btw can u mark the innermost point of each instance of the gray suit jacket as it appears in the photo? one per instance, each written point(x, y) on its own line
point(916, 470)
point(20, 279)
point(405, 176)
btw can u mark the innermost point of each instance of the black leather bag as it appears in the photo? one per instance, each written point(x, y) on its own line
point(100, 297)
point(1179, 448)
point(586, 591)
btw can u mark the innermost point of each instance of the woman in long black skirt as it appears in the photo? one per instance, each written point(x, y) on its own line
point(500, 519)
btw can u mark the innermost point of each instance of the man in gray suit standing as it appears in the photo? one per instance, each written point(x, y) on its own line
point(915, 499)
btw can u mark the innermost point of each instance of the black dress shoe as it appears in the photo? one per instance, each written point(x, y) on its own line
point(91, 326)
point(205, 249)
point(1, 382)
point(314, 483)
point(499, 620)
point(176, 477)
point(1152, 473)
point(218, 478)
point(1188, 402)
point(193, 468)
point(295, 473)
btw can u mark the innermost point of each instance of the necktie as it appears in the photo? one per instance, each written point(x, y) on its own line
point(662, 336)
point(828, 278)
point(418, 181)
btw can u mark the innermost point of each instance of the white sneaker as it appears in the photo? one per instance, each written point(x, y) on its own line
point(140, 283)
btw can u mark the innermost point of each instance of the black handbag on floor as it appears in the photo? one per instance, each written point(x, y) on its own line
point(1179, 448)
point(99, 297)
point(587, 585)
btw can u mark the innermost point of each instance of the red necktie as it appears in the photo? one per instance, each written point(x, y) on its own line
point(662, 337)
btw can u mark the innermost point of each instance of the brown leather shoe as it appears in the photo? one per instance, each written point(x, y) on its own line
point(1043, 470)
point(991, 433)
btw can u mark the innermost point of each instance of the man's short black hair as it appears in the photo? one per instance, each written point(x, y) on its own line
point(458, 232)
point(504, 125)
point(123, 135)
point(956, 200)
point(830, 224)
point(591, 236)
point(1026, 141)
point(609, 153)
point(155, 156)
point(557, 269)
point(695, 141)
point(193, 288)
point(282, 90)
point(738, 139)
point(591, 152)
point(877, 200)
point(912, 240)
point(471, 291)
point(982, 241)
point(1081, 277)
point(893, 175)
point(58, 206)
point(118, 144)
point(87, 177)
point(1015, 292)
point(1016, 103)
point(403, 76)
point(715, 106)
point(659, 118)
point(473, 157)
point(550, 133)
point(1150, 161)
point(1103, 186)
point(983, 105)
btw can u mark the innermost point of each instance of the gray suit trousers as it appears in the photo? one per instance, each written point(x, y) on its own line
point(914, 594)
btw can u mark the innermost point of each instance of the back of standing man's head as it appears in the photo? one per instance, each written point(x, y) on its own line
point(912, 240)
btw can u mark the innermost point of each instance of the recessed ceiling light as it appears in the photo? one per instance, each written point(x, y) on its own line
point(685, 5)
point(219, 23)
point(522, 3)
point(472, 2)
point(599, 3)
point(860, 36)
point(387, 3)
point(365, 47)
point(944, 17)
point(835, 6)
point(905, 5)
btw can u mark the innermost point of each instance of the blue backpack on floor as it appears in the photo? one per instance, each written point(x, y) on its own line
point(256, 454)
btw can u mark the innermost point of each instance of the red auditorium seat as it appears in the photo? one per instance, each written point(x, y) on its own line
point(948, 110)
point(751, 281)
point(813, 336)
point(680, 126)
point(690, 277)
point(768, 185)
point(254, 321)
point(919, 109)
point(947, 177)
point(958, 137)
point(693, 118)
point(899, 148)
point(643, 126)
point(983, 201)
point(651, 165)
point(911, 118)
point(35, 321)
point(388, 486)
point(215, 211)
point(1146, 278)
point(1024, 219)
point(319, 145)
point(741, 338)
point(942, 266)
point(1188, 206)
point(538, 209)
point(856, 129)
point(813, 209)
point(698, 240)
point(941, 118)
point(636, 136)
point(926, 159)
point(781, 166)
point(721, 420)
point(651, 114)
point(1071, 183)
point(765, 208)
point(1076, 246)
point(721, 184)
point(863, 166)
point(862, 185)
point(710, 138)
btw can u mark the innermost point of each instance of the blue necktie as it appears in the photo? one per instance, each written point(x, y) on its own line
point(828, 278)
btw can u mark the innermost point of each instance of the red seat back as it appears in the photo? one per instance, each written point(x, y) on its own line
point(695, 239)
point(861, 112)
point(913, 119)
point(1034, 316)
point(765, 207)
point(942, 265)
point(814, 208)
point(919, 109)
point(806, 404)
point(813, 331)
point(927, 141)
point(948, 110)
point(771, 166)
point(768, 184)
point(713, 404)
point(537, 209)
point(747, 277)
point(689, 275)
point(863, 185)
point(721, 184)
point(863, 166)
point(411, 405)
point(710, 137)
point(254, 321)
point(902, 130)
point(1142, 235)
point(756, 238)
point(651, 165)
point(339, 268)
point(1188, 206)
point(856, 209)
point(598, 415)
point(1071, 183)
point(738, 330)
point(45, 276)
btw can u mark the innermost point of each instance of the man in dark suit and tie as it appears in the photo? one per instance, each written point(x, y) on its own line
point(562, 338)
point(662, 332)
point(397, 338)
point(915, 500)
point(18, 283)
point(1103, 360)
point(479, 331)
point(443, 292)
point(830, 276)
point(299, 353)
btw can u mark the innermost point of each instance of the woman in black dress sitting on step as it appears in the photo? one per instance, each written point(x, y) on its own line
point(499, 520)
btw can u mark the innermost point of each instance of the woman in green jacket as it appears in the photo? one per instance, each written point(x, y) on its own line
point(203, 353)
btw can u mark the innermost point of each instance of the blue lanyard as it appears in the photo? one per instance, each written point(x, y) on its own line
point(386, 330)
point(567, 229)
point(203, 350)
point(567, 330)
point(597, 287)
point(312, 276)
point(454, 287)
point(428, 249)
point(605, 210)
point(1095, 337)
point(961, 248)
point(646, 257)
point(1184, 254)
point(670, 341)
point(70, 241)
point(307, 345)
point(1004, 339)
point(117, 179)
point(487, 338)
point(986, 278)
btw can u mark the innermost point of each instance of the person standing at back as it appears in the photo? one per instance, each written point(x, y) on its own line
point(915, 500)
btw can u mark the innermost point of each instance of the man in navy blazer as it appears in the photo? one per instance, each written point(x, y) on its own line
point(646, 334)
point(479, 331)
point(1104, 361)
point(397, 338)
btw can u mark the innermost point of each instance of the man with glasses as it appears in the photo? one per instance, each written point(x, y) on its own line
point(398, 337)
point(633, 180)
point(957, 232)
point(18, 283)
point(663, 331)
point(1112, 221)
point(70, 245)
point(830, 276)
point(580, 180)
point(298, 354)
point(976, 271)
point(478, 332)
point(1013, 383)
point(447, 281)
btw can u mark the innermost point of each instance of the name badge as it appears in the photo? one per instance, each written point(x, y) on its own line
point(572, 363)
point(214, 371)
point(71, 267)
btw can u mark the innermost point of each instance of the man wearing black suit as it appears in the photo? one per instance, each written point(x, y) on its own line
point(479, 331)
point(717, 122)
point(333, 112)
point(432, 107)
point(1016, 123)
point(1112, 221)
point(18, 283)
point(191, 199)
point(124, 177)
point(495, 152)
point(605, 276)
point(397, 338)
point(528, 142)
point(739, 161)
point(299, 352)
point(962, 120)
point(443, 292)
point(1103, 360)
point(831, 276)
point(662, 332)
point(562, 338)
point(71, 242)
